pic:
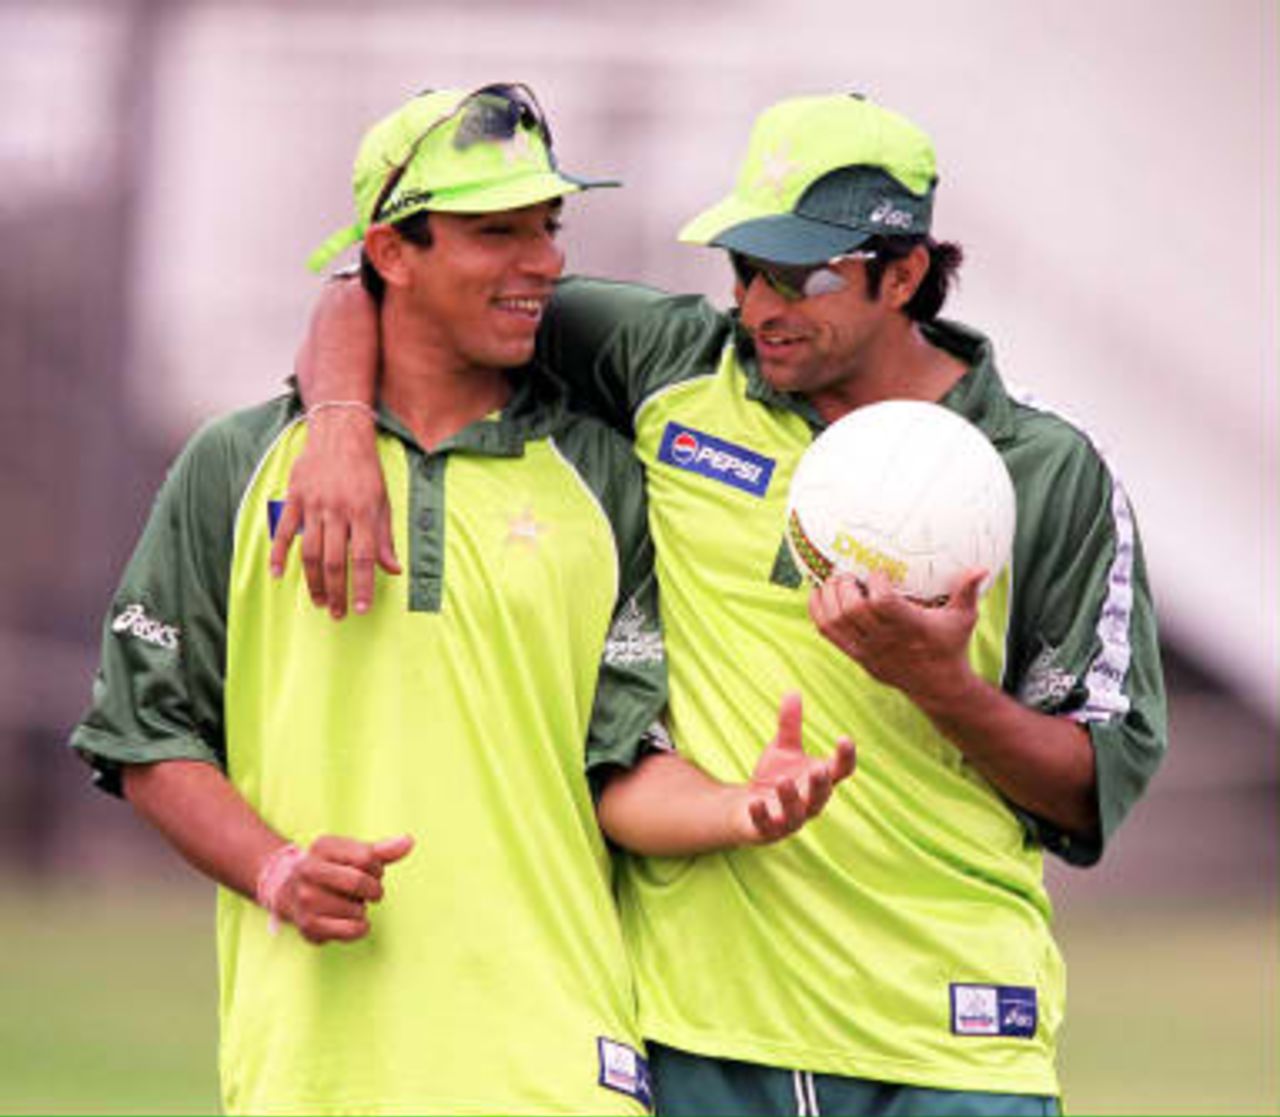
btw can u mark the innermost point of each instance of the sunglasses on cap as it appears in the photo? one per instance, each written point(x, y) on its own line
point(492, 112)
point(795, 281)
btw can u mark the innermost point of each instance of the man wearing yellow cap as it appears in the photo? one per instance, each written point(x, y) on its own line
point(896, 958)
point(435, 756)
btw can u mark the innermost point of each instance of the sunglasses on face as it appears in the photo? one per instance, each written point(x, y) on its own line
point(490, 113)
point(794, 281)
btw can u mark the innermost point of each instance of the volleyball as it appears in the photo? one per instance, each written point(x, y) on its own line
point(905, 487)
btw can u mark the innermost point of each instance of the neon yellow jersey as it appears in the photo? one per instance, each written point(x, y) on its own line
point(877, 895)
point(905, 935)
point(518, 650)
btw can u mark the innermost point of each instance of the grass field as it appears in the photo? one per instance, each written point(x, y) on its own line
point(1171, 1010)
point(108, 1006)
point(109, 1003)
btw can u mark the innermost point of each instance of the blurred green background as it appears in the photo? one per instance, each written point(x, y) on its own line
point(110, 1003)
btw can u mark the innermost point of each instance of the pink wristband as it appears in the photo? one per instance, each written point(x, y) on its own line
point(275, 871)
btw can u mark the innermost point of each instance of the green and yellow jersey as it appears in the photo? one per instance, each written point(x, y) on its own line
point(905, 935)
point(518, 651)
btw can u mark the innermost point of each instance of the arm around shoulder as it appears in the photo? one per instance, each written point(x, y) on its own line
point(336, 486)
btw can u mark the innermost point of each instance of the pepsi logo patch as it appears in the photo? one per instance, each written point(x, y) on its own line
point(994, 1010)
point(684, 447)
point(708, 456)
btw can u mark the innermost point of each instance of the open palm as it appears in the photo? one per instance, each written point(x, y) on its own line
point(788, 786)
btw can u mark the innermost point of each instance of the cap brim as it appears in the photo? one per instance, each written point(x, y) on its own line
point(528, 190)
point(782, 238)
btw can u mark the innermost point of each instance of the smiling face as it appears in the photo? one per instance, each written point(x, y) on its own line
point(479, 289)
point(812, 344)
point(842, 344)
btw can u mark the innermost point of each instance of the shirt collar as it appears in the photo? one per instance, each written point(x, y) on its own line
point(978, 395)
point(535, 408)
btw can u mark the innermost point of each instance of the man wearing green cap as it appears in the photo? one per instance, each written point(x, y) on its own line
point(519, 656)
point(898, 957)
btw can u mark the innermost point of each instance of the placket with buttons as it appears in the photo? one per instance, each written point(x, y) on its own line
point(426, 531)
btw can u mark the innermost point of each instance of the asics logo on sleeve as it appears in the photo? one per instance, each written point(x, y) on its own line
point(726, 462)
point(133, 621)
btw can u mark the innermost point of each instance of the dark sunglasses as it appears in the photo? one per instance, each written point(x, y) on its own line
point(492, 112)
point(495, 112)
point(794, 281)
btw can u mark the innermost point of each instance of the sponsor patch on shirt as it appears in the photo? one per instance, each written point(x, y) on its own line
point(698, 452)
point(1046, 686)
point(633, 638)
point(275, 508)
point(625, 1070)
point(993, 1010)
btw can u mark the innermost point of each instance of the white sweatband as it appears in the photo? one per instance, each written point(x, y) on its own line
point(353, 404)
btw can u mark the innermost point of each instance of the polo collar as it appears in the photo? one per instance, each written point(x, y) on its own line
point(536, 408)
point(979, 395)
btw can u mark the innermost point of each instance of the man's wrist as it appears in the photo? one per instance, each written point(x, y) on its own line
point(272, 878)
point(738, 829)
point(947, 690)
point(341, 427)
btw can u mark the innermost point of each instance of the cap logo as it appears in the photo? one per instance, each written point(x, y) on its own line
point(886, 214)
point(776, 167)
point(407, 199)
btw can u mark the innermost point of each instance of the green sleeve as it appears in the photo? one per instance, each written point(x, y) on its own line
point(158, 691)
point(1085, 644)
point(614, 344)
point(632, 691)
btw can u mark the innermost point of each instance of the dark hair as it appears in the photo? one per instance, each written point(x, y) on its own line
point(416, 229)
point(945, 259)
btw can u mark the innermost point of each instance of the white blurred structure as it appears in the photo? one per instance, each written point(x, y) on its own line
point(1110, 168)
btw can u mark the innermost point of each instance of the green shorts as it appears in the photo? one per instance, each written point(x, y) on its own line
point(697, 1086)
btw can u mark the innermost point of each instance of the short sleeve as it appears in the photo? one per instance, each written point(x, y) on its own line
point(1087, 645)
point(158, 691)
point(631, 693)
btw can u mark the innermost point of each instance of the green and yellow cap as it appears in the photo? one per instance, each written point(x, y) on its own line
point(822, 176)
point(454, 152)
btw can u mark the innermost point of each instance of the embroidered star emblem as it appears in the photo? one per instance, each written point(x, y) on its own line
point(776, 167)
point(524, 529)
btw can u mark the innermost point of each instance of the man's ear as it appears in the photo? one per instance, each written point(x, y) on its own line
point(902, 278)
point(385, 249)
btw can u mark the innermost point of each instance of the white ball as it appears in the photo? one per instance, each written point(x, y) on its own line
point(906, 487)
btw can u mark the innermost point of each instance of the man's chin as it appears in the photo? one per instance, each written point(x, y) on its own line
point(781, 375)
point(510, 354)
